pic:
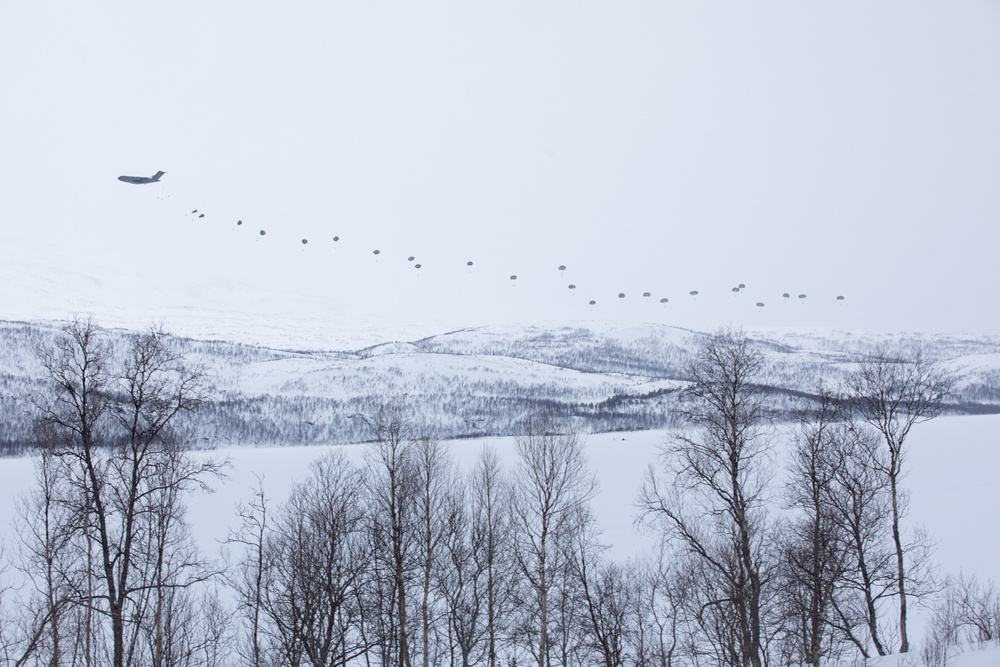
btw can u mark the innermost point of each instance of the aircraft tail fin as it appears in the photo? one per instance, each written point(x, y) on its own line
point(157, 175)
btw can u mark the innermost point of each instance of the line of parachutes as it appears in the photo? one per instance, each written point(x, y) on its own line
point(737, 289)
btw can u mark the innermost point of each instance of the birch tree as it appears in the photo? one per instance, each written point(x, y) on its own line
point(553, 487)
point(892, 391)
point(714, 498)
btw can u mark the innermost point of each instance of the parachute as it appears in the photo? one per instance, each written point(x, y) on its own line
point(760, 304)
point(840, 298)
point(787, 295)
point(336, 238)
point(592, 302)
point(621, 295)
point(410, 258)
point(646, 294)
point(664, 300)
point(562, 267)
point(802, 296)
point(693, 292)
point(262, 232)
point(376, 252)
point(513, 277)
point(742, 286)
point(468, 263)
point(305, 241)
point(202, 215)
point(239, 222)
point(572, 286)
point(416, 266)
point(736, 289)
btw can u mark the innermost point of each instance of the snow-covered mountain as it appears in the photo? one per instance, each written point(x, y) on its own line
point(484, 381)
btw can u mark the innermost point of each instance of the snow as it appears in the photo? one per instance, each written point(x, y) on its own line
point(952, 481)
point(967, 656)
point(988, 657)
point(955, 490)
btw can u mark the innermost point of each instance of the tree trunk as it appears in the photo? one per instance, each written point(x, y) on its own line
point(904, 642)
point(543, 602)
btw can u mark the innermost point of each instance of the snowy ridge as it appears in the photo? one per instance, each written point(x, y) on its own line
point(485, 380)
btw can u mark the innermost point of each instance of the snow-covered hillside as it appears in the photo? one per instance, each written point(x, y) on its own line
point(483, 381)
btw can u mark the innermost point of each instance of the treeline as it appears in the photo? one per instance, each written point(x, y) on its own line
point(403, 559)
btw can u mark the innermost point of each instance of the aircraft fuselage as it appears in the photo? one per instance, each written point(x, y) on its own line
point(141, 180)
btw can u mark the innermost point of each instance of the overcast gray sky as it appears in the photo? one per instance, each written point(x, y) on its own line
point(847, 148)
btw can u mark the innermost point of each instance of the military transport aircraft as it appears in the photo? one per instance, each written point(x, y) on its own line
point(141, 180)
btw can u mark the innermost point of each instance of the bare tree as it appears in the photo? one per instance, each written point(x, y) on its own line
point(943, 635)
point(475, 573)
point(459, 577)
point(978, 606)
point(553, 488)
point(45, 558)
point(316, 555)
point(12, 644)
point(715, 502)
point(248, 582)
point(434, 477)
point(168, 569)
point(967, 612)
point(608, 593)
point(666, 610)
point(858, 496)
point(213, 631)
point(891, 391)
point(567, 619)
point(191, 630)
point(816, 548)
point(392, 490)
point(108, 422)
point(493, 546)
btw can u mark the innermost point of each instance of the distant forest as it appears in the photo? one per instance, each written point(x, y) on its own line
point(473, 383)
